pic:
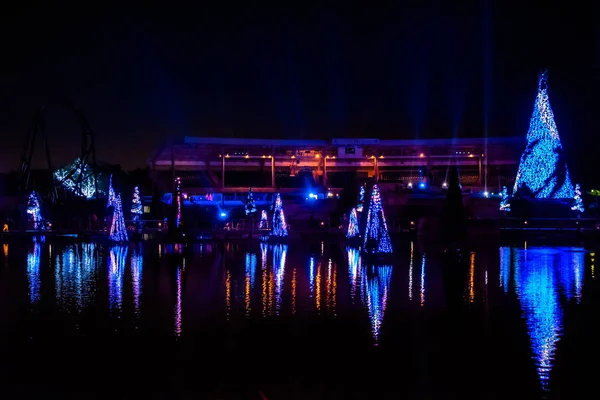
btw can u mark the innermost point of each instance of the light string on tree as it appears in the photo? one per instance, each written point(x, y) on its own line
point(542, 170)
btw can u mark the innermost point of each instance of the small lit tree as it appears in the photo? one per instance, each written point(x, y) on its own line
point(361, 199)
point(34, 210)
point(136, 205)
point(264, 223)
point(504, 202)
point(577, 200)
point(250, 206)
point(353, 225)
point(111, 194)
point(279, 226)
point(118, 230)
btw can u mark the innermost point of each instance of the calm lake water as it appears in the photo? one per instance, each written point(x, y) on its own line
point(296, 321)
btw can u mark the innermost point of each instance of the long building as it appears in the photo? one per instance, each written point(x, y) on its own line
point(211, 164)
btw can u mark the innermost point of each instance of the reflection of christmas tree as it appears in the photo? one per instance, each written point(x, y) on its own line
point(33, 209)
point(250, 206)
point(577, 200)
point(377, 237)
point(279, 227)
point(118, 231)
point(136, 204)
point(353, 230)
point(543, 171)
point(504, 203)
point(264, 223)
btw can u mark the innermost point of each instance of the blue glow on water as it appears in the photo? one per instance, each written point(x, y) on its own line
point(137, 263)
point(33, 272)
point(540, 275)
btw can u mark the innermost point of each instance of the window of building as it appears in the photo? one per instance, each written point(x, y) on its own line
point(146, 209)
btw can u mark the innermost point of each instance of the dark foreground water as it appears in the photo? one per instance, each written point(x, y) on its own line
point(296, 321)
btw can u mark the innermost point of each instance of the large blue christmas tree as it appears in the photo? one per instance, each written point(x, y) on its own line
point(543, 170)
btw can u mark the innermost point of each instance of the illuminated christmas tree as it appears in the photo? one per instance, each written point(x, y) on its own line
point(250, 206)
point(34, 210)
point(177, 204)
point(377, 237)
point(353, 230)
point(577, 200)
point(111, 194)
point(279, 227)
point(118, 230)
point(264, 223)
point(543, 171)
point(136, 205)
point(504, 203)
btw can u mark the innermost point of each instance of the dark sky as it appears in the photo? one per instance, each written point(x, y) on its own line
point(428, 69)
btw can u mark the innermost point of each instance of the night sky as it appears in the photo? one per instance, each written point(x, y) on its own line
point(421, 69)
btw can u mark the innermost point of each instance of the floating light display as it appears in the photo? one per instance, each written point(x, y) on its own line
point(377, 237)
point(118, 230)
point(353, 224)
point(279, 227)
point(543, 171)
point(250, 207)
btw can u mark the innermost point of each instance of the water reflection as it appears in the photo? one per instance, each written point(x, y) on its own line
point(116, 268)
point(250, 278)
point(410, 270)
point(137, 262)
point(539, 276)
point(179, 299)
point(376, 285)
point(279, 258)
point(423, 263)
point(75, 276)
point(323, 285)
point(33, 272)
point(354, 270)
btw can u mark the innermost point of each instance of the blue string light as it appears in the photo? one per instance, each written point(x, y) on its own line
point(543, 171)
point(377, 237)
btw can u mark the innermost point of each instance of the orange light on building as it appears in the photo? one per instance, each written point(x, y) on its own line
point(317, 155)
point(471, 155)
point(421, 155)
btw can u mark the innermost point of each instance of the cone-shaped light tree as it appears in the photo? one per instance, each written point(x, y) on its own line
point(353, 225)
point(279, 227)
point(577, 200)
point(543, 171)
point(118, 230)
point(504, 202)
point(34, 210)
point(111, 194)
point(136, 205)
point(376, 238)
